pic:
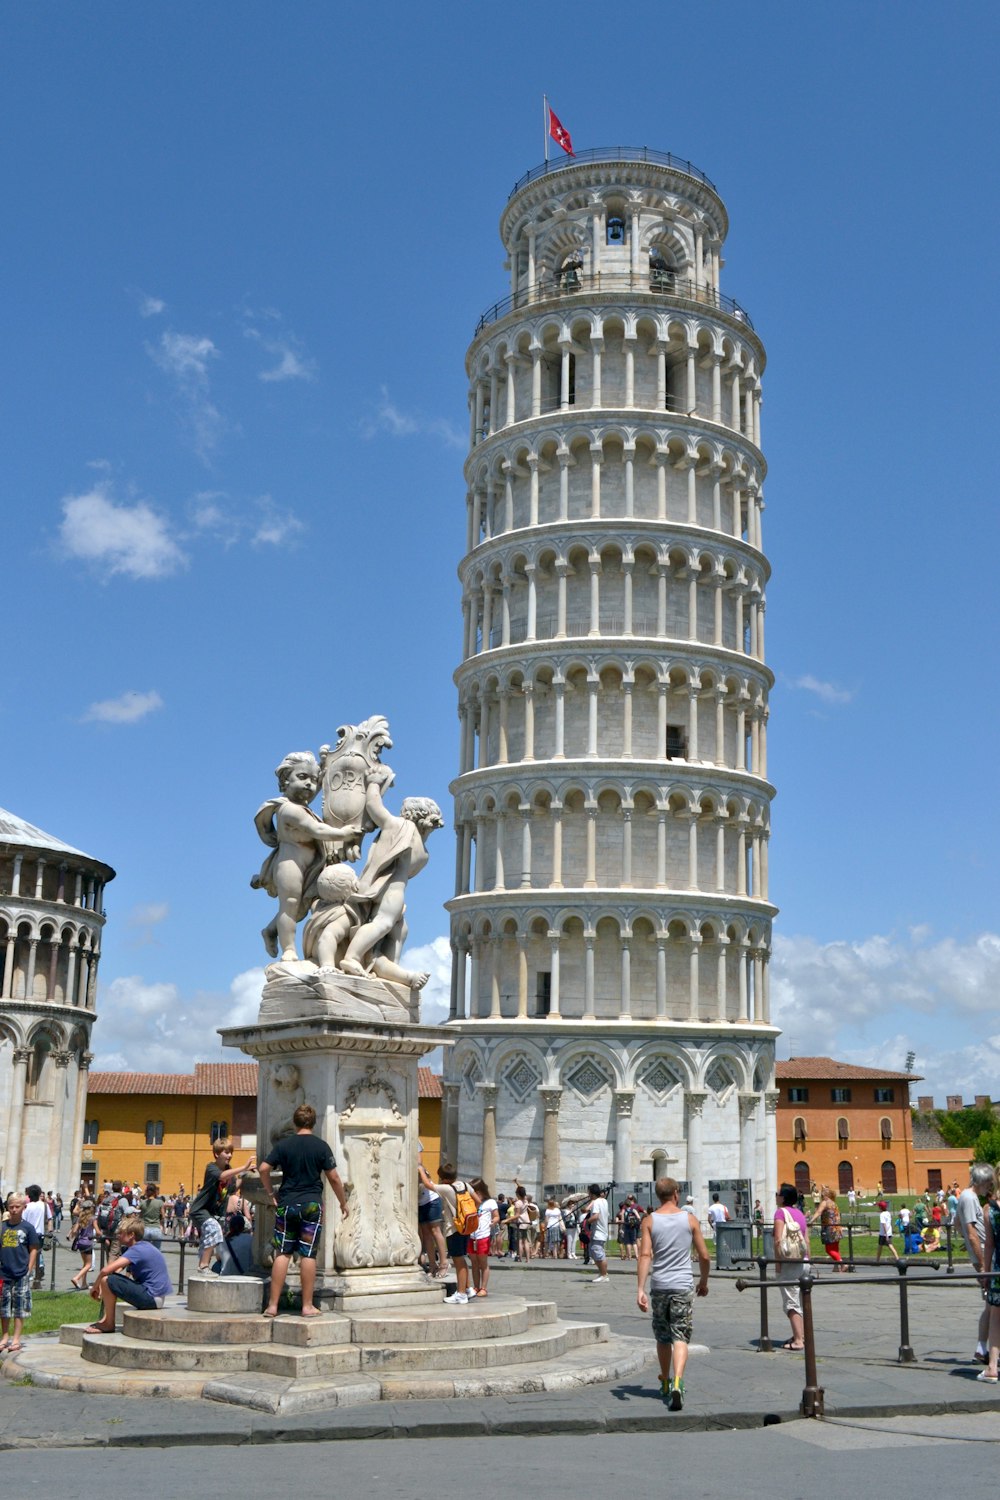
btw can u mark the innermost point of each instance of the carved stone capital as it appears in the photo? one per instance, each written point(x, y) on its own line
point(695, 1102)
point(748, 1106)
point(551, 1098)
point(624, 1100)
point(86, 1058)
point(61, 1059)
point(771, 1098)
point(451, 1092)
point(488, 1092)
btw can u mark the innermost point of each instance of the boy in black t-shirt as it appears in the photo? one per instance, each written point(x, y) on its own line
point(207, 1206)
point(305, 1159)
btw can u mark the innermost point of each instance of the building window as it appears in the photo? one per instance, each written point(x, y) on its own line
point(889, 1177)
point(798, 1096)
point(885, 1096)
point(840, 1096)
point(90, 1132)
point(218, 1131)
point(154, 1133)
point(885, 1130)
point(543, 993)
point(843, 1133)
point(616, 230)
point(845, 1177)
point(677, 744)
point(151, 1173)
point(798, 1128)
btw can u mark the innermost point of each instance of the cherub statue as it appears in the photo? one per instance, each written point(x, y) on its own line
point(399, 853)
point(299, 842)
point(334, 916)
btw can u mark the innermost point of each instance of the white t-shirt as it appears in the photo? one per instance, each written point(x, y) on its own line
point(487, 1209)
point(904, 1215)
point(36, 1214)
point(553, 1218)
point(598, 1223)
point(885, 1223)
point(718, 1214)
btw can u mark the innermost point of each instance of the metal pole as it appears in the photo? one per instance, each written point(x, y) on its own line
point(812, 1394)
point(906, 1354)
point(951, 1264)
point(180, 1273)
point(52, 1274)
point(764, 1344)
point(850, 1248)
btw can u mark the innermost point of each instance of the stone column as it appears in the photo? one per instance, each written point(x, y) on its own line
point(8, 965)
point(593, 683)
point(29, 978)
point(590, 874)
point(554, 1013)
point(748, 1140)
point(488, 1092)
point(15, 1119)
point(61, 1060)
point(694, 981)
point(557, 812)
point(626, 846)
point(525, 810)
point(629, 480)
point(79, 1115)
point(460, 950)
point(528, 694)
point(741, 965)
point(695, 1103)
point(497, 956)
point(596, 460)
point(622, 1158)
point(589, 1013)
point(531, 626)
point(594, 562)
point(15, 889)
point(625, 1011)
point(661, 976)
point(475, 950)
point(596, 350)
point(770, 1144)
point(522, 977)
point(562, 568)
point(628, 684)
point(720, 977)
point(499, 823)
point(451, 1096)
point(551, 1099)
point(630, 344)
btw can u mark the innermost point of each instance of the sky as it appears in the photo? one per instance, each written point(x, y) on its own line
point(246, 246)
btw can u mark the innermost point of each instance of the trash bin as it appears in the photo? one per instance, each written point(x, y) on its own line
point(732, 1243)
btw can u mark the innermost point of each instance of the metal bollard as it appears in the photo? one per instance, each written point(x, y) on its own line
point(812, 1394)
point(52, 1269)
point(180, 1272)
point(906, 1354)
point(951, 1263)
point(764, 1344)
point(850, 1247)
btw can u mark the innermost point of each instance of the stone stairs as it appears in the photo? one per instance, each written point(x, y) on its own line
point(219, 1346)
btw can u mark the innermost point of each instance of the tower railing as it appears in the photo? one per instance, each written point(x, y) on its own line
point(613, 153)
point(573, 282)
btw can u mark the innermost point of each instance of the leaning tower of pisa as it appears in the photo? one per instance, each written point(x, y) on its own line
point(611, 921)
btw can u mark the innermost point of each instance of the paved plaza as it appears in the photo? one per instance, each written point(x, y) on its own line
point(729, 1383)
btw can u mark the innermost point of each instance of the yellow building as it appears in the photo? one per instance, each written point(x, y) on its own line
point(159, 1127)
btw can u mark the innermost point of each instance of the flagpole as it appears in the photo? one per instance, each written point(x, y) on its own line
point(545, 125)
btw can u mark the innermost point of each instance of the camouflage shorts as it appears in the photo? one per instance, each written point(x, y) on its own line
point(673, 1315)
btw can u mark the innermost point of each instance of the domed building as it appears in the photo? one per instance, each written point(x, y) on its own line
point(51, 918)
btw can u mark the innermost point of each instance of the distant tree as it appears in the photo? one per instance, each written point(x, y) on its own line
point(965, 1127)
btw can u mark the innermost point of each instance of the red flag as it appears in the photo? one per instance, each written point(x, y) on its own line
point(559, 133)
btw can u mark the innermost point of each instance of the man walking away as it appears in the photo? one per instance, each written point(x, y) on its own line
point(717, 1214)
point(971, 1223)
point(665, 1245)
point(597, 1226)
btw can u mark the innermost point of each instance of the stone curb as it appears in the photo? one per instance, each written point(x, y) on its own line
point(479, 1425)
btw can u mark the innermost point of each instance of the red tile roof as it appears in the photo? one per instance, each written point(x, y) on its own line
point(218, 1080)
point(827, 1067)
point(428, 1084)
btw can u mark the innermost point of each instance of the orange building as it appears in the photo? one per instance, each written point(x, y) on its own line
point(845, 1126)
point(159, 1127)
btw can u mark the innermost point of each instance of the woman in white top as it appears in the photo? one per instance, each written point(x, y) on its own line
point(553, 1229)
point(479, 1245)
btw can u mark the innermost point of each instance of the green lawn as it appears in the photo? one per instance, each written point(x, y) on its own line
point(53, 1309)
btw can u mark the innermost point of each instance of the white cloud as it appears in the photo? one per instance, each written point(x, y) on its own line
point(151, 307)
point(186, 358)
point(870, 1001)
point(275, 528)
point(128, 709)
point(433, 958)
point(133, 540)
point(151, 1028)
point(278, 341)
point(149, 914)
point(392, 419)
point(827, 692)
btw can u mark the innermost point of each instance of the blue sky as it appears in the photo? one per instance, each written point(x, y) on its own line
point(246, 246)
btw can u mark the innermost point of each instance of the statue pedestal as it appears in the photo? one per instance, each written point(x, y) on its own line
point(360, 1076)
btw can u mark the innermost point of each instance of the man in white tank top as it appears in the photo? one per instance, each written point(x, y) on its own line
point(665, 1244)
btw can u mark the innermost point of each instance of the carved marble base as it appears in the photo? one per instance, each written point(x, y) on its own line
point(298, 988)
point(361, 1078)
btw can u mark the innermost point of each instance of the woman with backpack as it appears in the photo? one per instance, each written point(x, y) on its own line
point(791, 1250)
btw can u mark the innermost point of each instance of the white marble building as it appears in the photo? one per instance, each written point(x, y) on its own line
point(51, 916)
point(611, 923)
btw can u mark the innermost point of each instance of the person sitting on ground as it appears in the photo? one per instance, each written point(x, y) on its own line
point(139, 1276)
point(305, 1159)
point(19, 1249)
point(667, 1238)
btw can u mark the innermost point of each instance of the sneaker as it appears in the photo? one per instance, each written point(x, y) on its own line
point(598, 1280)
point(676, 1395)
point(459, 1297)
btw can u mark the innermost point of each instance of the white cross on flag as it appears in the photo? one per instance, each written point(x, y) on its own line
point(559, 133)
